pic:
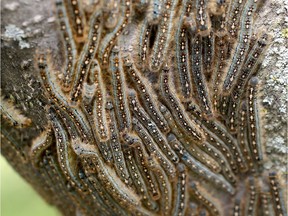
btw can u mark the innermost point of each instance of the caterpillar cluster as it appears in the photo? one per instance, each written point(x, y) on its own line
point(155, 111)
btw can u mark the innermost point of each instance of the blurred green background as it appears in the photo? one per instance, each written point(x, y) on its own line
point(18, 198)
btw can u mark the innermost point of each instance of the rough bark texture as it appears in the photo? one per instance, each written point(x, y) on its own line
point(28, 27)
